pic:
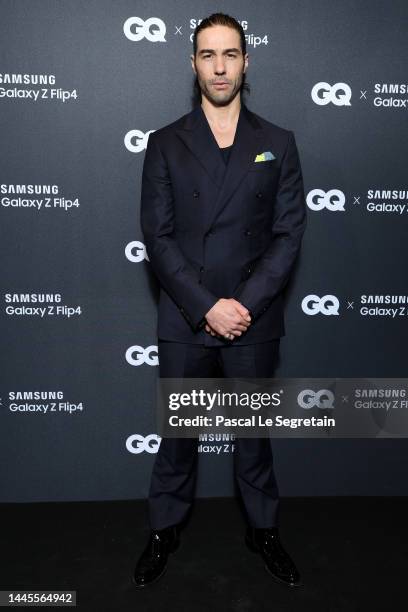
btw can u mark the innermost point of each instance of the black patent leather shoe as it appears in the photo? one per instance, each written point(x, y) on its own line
point(266, 542)
point(153, 562)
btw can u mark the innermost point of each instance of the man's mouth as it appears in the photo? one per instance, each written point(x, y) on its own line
point(220, 84)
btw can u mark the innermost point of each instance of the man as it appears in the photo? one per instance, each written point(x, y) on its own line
point(223, 214)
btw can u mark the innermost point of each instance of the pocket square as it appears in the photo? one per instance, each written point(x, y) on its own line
point(265, 156)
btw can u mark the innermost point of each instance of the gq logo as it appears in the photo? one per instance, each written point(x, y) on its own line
point(153, 29)
point(136, 252)
point(137, 355)
point(334, 199)
point(327, 305)
point(137, 444)
point(338, 94)
point(140, 143)
point(309, 399)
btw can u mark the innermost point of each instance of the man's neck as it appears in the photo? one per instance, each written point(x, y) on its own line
point(222, 118)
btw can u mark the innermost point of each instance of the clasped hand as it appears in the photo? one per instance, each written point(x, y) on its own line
point(228, 318)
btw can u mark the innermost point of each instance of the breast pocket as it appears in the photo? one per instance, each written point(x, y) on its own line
point(265, 166)
point(264, 179)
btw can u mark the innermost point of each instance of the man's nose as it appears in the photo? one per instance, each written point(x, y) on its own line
point(219, 66)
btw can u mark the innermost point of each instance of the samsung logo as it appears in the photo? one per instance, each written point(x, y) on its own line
point(35, 395)
point(27, 79)
point(384, 299)
point(380, 392)
point(387, 194)
point(33, 298)
point(395, 88)
point(29, 189)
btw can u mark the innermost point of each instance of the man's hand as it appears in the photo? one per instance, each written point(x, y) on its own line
point(227, 318)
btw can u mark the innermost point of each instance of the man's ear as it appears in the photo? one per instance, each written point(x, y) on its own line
point(245, 62)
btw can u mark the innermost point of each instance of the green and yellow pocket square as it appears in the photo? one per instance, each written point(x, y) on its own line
point(265, 156)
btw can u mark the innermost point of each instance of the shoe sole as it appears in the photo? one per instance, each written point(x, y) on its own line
point(252, 548)
point(146, 584)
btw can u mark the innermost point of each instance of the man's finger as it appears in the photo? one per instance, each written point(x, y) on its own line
point(241, 325)
point(210, 330)
point(243, 311)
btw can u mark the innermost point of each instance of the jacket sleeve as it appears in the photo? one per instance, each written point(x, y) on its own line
point(271, 271)
point(174, 272)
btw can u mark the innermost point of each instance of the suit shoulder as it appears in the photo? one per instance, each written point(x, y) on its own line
point(168, 129)
point(277, 130)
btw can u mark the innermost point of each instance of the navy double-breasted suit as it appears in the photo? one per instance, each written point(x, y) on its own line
point(213, 232)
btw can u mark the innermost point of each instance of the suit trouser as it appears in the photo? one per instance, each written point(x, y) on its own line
point(174, 472)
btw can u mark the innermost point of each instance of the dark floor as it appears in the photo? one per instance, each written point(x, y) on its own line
point(352, 554)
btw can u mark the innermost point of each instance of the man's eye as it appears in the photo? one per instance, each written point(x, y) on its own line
point(229, 55)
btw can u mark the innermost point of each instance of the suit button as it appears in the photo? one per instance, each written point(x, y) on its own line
point(247, 232)
point(259, 194)
point(196, 194)
point(201, 269)
point(199, 281)
point(210, 232)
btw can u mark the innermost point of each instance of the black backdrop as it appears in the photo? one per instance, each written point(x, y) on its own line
point(71, 162)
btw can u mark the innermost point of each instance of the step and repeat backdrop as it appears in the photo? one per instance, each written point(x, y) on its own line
point(82, 85)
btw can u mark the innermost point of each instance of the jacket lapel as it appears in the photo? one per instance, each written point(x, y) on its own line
point(197, 135)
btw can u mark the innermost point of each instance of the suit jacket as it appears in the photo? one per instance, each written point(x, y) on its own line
point(213, 232)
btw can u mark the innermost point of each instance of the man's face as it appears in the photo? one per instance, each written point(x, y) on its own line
point(219, 64)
